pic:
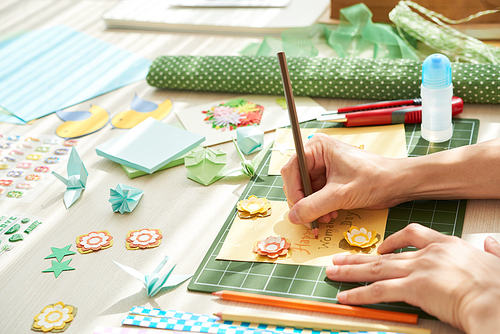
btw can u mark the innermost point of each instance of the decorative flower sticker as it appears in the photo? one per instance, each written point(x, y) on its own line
point(272, 247)
point(54, 318)
point(142, 239)
point(360, 237)
point(254, 207)
point(234, 114)
point(94, 241)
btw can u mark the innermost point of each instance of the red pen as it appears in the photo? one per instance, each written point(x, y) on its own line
point(395, 115)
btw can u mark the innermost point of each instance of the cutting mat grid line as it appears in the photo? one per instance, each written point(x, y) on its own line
point(309, 282)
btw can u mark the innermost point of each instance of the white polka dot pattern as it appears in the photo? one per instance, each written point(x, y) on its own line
point(355, 78)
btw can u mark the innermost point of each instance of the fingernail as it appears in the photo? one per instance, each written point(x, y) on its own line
point(342, 297)
point(338, 258)
point(331, 270)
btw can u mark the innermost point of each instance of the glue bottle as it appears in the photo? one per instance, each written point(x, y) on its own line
point(436, 92)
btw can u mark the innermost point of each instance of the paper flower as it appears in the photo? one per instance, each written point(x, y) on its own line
point(142, 239)
point(234, 114)
point(55, 318)
point(254, 207)
point(360, 237)
point(94, 241)
point(272, 247)
point(124, 198)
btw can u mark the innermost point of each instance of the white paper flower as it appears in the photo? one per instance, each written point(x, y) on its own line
point(53, 317)
point(145, 238)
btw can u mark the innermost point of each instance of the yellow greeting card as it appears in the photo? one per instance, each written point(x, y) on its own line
point(388, 141)
point(246, 233)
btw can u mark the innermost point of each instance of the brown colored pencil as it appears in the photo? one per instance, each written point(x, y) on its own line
point(288, 320)
point(308, 305)
point(294, 121)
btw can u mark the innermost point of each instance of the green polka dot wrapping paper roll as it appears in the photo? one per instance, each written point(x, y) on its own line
point(346, 78)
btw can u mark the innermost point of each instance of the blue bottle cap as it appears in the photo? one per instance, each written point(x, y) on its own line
point(436, 72)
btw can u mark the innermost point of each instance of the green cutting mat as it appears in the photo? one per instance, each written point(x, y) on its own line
point(308, 282)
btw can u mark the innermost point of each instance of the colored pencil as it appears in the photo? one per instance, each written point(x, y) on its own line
point(294, 121)
point(318, 324)
point(309, 305)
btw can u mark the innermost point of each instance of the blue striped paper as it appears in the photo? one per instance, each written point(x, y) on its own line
point(49, 69)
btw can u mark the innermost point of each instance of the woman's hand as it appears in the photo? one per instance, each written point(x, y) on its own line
point(446, 277)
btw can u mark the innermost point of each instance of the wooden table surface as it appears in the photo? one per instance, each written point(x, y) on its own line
point(189, 214)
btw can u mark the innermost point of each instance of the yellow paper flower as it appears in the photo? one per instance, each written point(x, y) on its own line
point(360, 237)
point(55, 316)
point(253, 206)
point(272, 247)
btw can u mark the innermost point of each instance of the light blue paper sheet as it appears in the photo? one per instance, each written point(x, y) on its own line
point(149, 145)
point(53, 68)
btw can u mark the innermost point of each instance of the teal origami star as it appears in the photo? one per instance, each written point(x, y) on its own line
point(60, 253)
point(58, 267)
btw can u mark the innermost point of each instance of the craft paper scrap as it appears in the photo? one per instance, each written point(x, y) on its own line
point(47, 74)
point(388, 141)
point(144, 238)
point(77, 178)
point(200, 323)
point(154, 282)
point(305, 249)
point(205, 165)
point(263, 111)
point(58, 267)
point(54, 318)
point(140, 110)
point(132, 172)
point(124, 198)
point(81, 123)
point(149, 146)
point(250, 139)
point(60, 253)
point(124, 330)
point(94, 241)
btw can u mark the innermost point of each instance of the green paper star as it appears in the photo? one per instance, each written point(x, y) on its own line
point(59, 253)
point(58, 267)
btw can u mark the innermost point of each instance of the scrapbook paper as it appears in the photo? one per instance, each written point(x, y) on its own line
point(245, 233)
point(81, 123)
point(388, 141)
point(140, 110)
point(218, 120)
point(46, 72)
point(149, 146)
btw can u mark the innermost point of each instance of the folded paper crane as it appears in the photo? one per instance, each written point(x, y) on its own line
point(153, 282)
point(124, 198)
point(248, 167)
point(77, 178)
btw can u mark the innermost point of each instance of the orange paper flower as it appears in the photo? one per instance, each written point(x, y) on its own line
point(254, 207)
point(142, 239)
point(94, 241)
point(360, 237)
point(272, 247)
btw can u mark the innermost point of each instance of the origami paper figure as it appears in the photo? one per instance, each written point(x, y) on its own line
point(204, 165)
point(282, 147)
point(124, 198)
point(154, 282)
point(140, 110)
point(250, 139)
point(248, 167)
point(81, 123)
point(77, 178)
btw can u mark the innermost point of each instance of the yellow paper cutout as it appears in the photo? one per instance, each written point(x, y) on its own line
point(253, 207)
point(54, 318)
point(388, 141)
point(73, 129)
point(305, 249)
point(360, 237)
point(130, 118)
